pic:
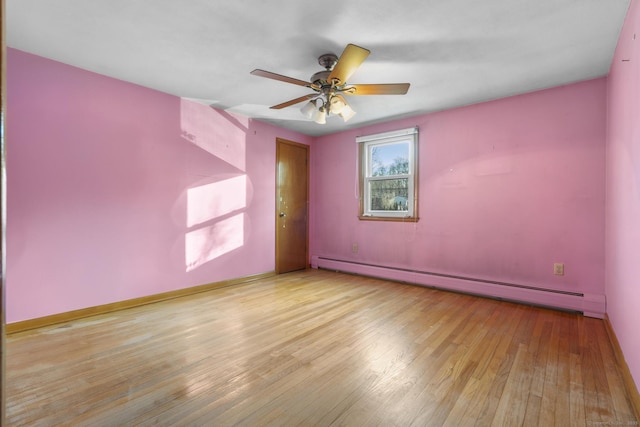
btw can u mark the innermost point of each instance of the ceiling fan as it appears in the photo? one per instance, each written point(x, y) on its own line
point(329, 85)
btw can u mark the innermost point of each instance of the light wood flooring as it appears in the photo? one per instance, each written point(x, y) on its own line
point(318, 348)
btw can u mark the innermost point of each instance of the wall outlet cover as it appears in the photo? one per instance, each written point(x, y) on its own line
point(558, 269)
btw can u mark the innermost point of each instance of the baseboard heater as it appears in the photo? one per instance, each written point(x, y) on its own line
point(591, 305)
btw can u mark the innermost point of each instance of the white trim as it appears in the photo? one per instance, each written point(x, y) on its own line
point(385, 135)
point(410, 136)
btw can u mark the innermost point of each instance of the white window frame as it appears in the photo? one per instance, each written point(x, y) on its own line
point(366, 143)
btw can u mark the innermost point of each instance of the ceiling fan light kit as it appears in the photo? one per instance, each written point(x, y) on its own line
point(317, 109)
point(331, 83)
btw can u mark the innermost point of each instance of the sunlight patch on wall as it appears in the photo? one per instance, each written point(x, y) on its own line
point(212, 130)
point(216, 211)
point(208, 243)
point(216, 199)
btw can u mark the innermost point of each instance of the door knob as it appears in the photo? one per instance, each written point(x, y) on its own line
point(282, 214)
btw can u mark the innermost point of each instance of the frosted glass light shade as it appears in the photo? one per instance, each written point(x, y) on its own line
point(338, 103)
point(320, 116)
point(346, 113)
point(309, 109)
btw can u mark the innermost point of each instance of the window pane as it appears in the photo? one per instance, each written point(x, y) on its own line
point(389, 194)
point(390, 159)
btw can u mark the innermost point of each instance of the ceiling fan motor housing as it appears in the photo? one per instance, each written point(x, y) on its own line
point(328, 61)
point(320, 78)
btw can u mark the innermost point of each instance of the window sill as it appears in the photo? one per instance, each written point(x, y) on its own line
point(388, 218)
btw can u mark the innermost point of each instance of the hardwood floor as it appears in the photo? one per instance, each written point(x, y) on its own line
point(318, 348)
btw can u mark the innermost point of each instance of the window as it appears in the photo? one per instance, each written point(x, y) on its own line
point(388, 175)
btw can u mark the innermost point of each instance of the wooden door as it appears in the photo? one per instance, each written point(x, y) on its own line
point(292, 205)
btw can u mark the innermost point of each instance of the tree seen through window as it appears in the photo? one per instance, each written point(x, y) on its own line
point(391, 160)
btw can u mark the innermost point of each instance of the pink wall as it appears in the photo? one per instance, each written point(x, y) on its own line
point(623, 191)
point(116, 191)
point(507, 188)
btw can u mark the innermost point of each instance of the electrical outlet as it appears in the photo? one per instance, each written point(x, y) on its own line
point(354, 248)
point(558, 269)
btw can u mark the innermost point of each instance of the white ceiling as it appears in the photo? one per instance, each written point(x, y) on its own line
point(453, 52)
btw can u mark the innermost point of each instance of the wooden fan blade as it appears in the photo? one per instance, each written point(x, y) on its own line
point(349, 61)
point(378, 89)
point(274, 76)
point(294, 101)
